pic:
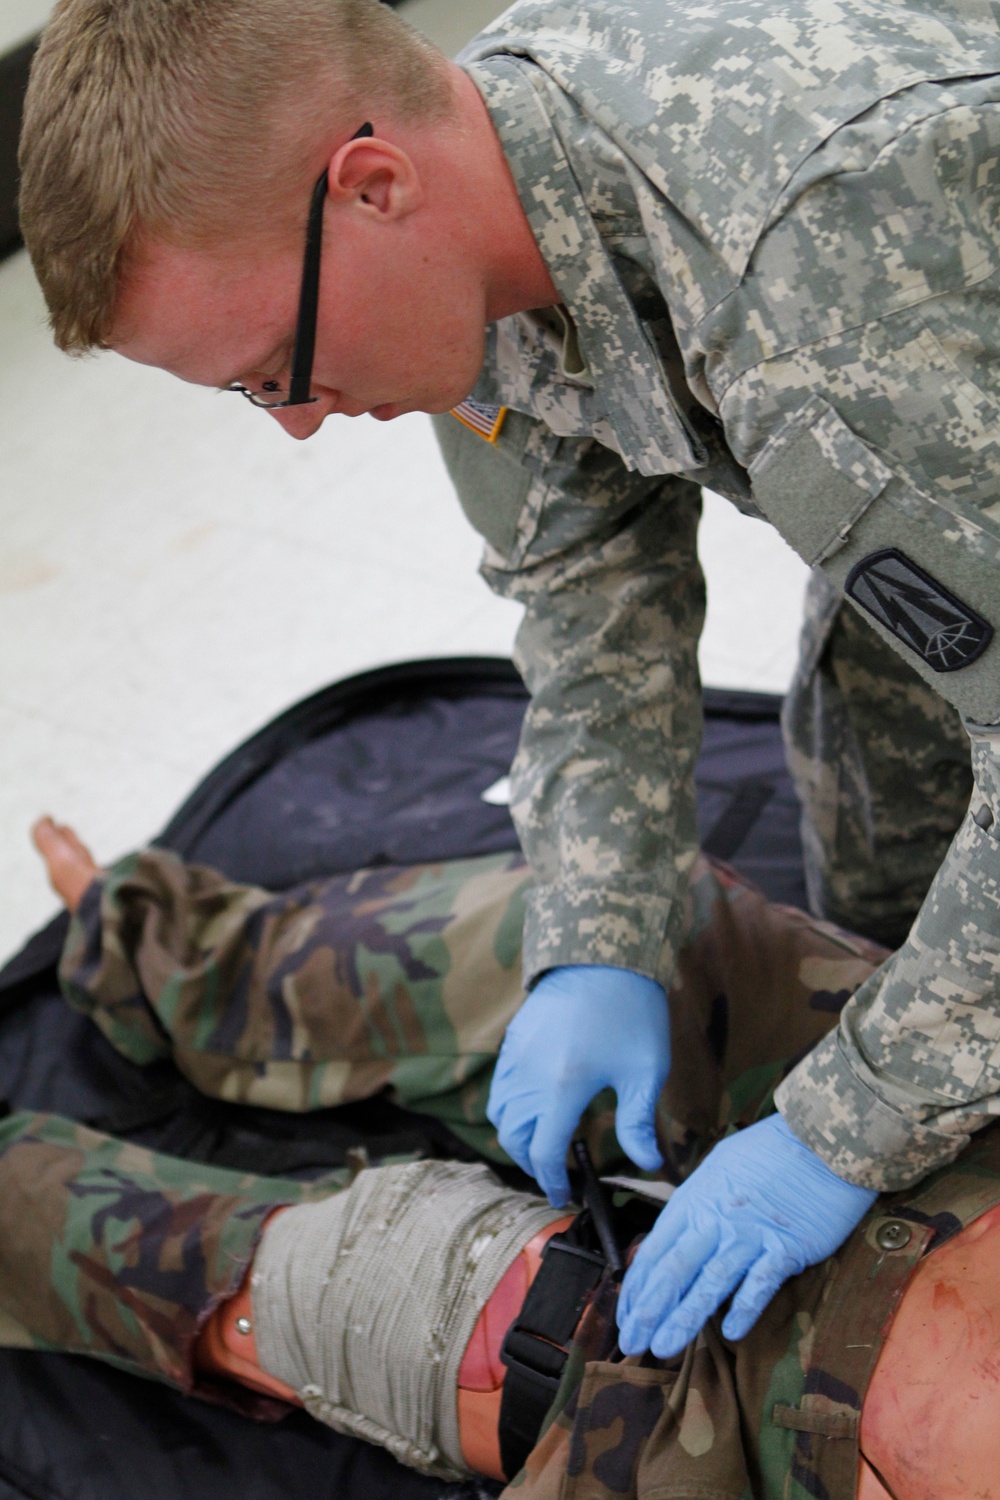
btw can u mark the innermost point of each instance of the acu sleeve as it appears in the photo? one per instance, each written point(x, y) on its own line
point(605, 563)
point(914, 1067)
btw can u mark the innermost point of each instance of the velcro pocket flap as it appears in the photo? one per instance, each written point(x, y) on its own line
point(815, 479)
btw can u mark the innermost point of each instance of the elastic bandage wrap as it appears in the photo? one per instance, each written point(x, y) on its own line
point(365, 1303)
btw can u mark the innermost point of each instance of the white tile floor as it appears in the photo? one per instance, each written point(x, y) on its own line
point(174, 571)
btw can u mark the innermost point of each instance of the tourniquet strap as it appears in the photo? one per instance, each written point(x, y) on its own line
point(536, 1345)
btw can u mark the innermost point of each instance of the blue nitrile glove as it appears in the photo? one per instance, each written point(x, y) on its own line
point(583, 1028)
point(760, 1208)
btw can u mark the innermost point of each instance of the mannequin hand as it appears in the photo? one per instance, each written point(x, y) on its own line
point(761, 1207)
point(582, 1028)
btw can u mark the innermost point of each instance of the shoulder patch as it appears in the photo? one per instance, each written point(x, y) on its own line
point(480, 417)
point(919, 611)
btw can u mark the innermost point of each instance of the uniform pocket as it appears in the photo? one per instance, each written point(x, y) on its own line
point(618, 1409)
point(650, 1432)
point(491, 479)
point(815, 479)
point(924, 569)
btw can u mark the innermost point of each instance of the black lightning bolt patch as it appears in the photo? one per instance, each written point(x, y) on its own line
point(919, 611)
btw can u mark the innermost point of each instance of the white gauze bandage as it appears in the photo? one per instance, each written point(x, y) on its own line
point(365, 1303)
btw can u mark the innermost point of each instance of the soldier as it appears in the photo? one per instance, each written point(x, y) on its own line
point(755, 249)
point(193, 1274)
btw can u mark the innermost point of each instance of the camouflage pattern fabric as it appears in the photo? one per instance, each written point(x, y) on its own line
point(881, 765)
point(121, 1253)
point(404, 979)
point(774, 1417)
point(756, 986)
point(774, 233)
point(602, 787)
point(913, 1067)
point(111, 1250)
point(394, 978)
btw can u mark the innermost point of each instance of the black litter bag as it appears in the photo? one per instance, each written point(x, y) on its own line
point(386, 767)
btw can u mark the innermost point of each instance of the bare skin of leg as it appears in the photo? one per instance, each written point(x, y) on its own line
point(930, 1418)
point(69, 863)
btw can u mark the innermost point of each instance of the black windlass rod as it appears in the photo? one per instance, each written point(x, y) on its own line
point(593, 1197)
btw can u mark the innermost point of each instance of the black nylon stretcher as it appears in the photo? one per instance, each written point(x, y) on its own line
point(386, 767)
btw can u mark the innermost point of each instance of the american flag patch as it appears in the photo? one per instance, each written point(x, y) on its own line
point(484, 419)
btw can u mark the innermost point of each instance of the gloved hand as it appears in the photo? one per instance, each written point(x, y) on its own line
point(760, 1208)
point(582, 1028)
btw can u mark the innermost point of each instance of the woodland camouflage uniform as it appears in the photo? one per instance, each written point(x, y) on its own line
point(775, 231)
point(349, 986)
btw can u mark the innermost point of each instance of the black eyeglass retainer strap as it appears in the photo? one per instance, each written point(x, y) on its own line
point(304, 352)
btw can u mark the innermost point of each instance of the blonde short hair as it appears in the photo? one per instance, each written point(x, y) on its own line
point(195, 122)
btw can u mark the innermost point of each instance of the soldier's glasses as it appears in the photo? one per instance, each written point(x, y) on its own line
point(271, 396)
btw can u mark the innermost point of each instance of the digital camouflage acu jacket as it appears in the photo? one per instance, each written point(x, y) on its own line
point(775, 233)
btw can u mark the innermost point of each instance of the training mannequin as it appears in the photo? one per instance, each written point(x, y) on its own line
point(737, 940)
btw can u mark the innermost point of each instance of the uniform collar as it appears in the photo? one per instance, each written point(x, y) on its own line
point(622, 395)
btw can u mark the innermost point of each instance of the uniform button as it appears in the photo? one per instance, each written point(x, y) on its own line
point(243, 1325)
point(984, 817)
point(893, 1234)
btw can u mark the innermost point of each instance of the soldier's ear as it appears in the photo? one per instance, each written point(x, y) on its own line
point(376, 177)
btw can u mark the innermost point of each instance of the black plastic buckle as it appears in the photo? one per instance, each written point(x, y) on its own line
point(538, 1341)
point(536, 1360)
